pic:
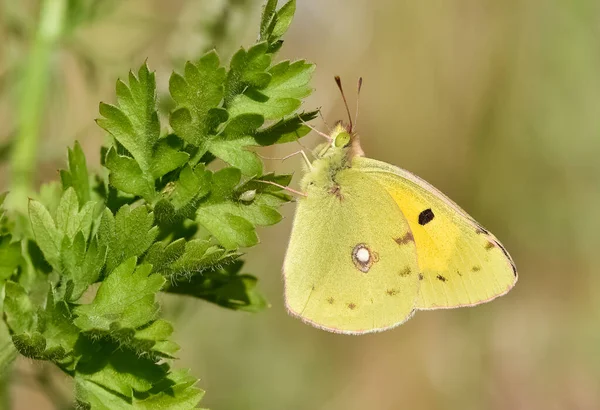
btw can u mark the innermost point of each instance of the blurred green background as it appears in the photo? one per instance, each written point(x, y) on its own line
point(495, 103)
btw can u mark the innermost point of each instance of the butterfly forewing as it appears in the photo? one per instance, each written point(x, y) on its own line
point(461, 264)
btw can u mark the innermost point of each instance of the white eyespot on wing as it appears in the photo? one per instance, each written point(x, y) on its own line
point(363, 257)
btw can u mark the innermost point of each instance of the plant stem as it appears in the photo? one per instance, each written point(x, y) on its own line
point(31, 104)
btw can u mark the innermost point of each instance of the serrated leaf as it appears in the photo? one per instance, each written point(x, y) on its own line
point(167, 156)
point(185, 259)
point(18, 309)
point(177, 391)
point(193, 184)
point(69, 220)
point(218, 216)
point(268, 12)
point(127, 176)
point(117, 370)
point(198, 94)
point(82, 266)
point(225, 287)
point(283, 19)
point(77, 174)
point(247, 69)
point(47, 236)
point(134, 123)
point(285, 130)
point(283, 94)
point(129, 233)
point(47, 334)
point(231, 145)
point(125, 297)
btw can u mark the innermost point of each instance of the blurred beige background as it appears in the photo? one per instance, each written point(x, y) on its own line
point(496, 103)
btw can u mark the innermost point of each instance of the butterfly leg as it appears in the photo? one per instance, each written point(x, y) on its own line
point(285, 188)
point(301, 152)
point(322, 134)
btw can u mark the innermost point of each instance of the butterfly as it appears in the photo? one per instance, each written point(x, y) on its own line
point(372, 243)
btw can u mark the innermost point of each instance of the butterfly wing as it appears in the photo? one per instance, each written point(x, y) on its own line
point(326, 282)
point(461, 263)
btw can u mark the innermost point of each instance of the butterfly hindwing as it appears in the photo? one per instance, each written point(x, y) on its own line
point(326, 284)
point(461, 263)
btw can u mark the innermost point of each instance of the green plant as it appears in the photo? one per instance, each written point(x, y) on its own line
point(79, 279)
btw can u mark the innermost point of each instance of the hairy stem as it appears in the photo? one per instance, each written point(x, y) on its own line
point(32, 97)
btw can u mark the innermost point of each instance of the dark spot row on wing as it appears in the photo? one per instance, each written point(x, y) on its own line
point(442, 278)
point(476, 268)
point(426, 216)
point(391, 292)
point(405, 272)
point(492, 244)
point(351, 306)
point(407, 238)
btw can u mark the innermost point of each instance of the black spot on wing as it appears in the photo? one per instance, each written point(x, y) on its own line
point(420, 276)
point(442, 278)
point(392, 292)
point(351, 306)
point(426, 216)
point(476, 268)
point(330, 301)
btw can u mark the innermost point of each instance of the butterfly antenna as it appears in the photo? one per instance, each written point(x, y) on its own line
point(338, 81)
point(360, 81)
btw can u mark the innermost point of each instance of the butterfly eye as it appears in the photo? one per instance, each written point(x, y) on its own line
point(342, 139)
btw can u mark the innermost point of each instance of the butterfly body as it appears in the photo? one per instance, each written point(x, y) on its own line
point(373, 243)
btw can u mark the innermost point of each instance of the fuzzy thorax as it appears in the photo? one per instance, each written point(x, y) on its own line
point(331, 158)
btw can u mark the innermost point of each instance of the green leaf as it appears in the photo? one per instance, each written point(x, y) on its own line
point(69, 220)
point(168, 156)
point(231, 145)
point(48, 334)
point(232, 220)
point(181, 259)
point(10, 257)
point(282, 95)
point(221, 217)
point(8, 353)
point(285, 130)
point(247, 69)
point(128, 234)
point(283, 20)
point(193, 184)
point(118, 370)
point(125, 299)
point(198, 94)
point(135, 125)
point(127, 176)
point(77, 175)
point(18, 309)
point(177, 391)
point(225, 287)
point(81, 267)
point(46, 234)
point(268, 12)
